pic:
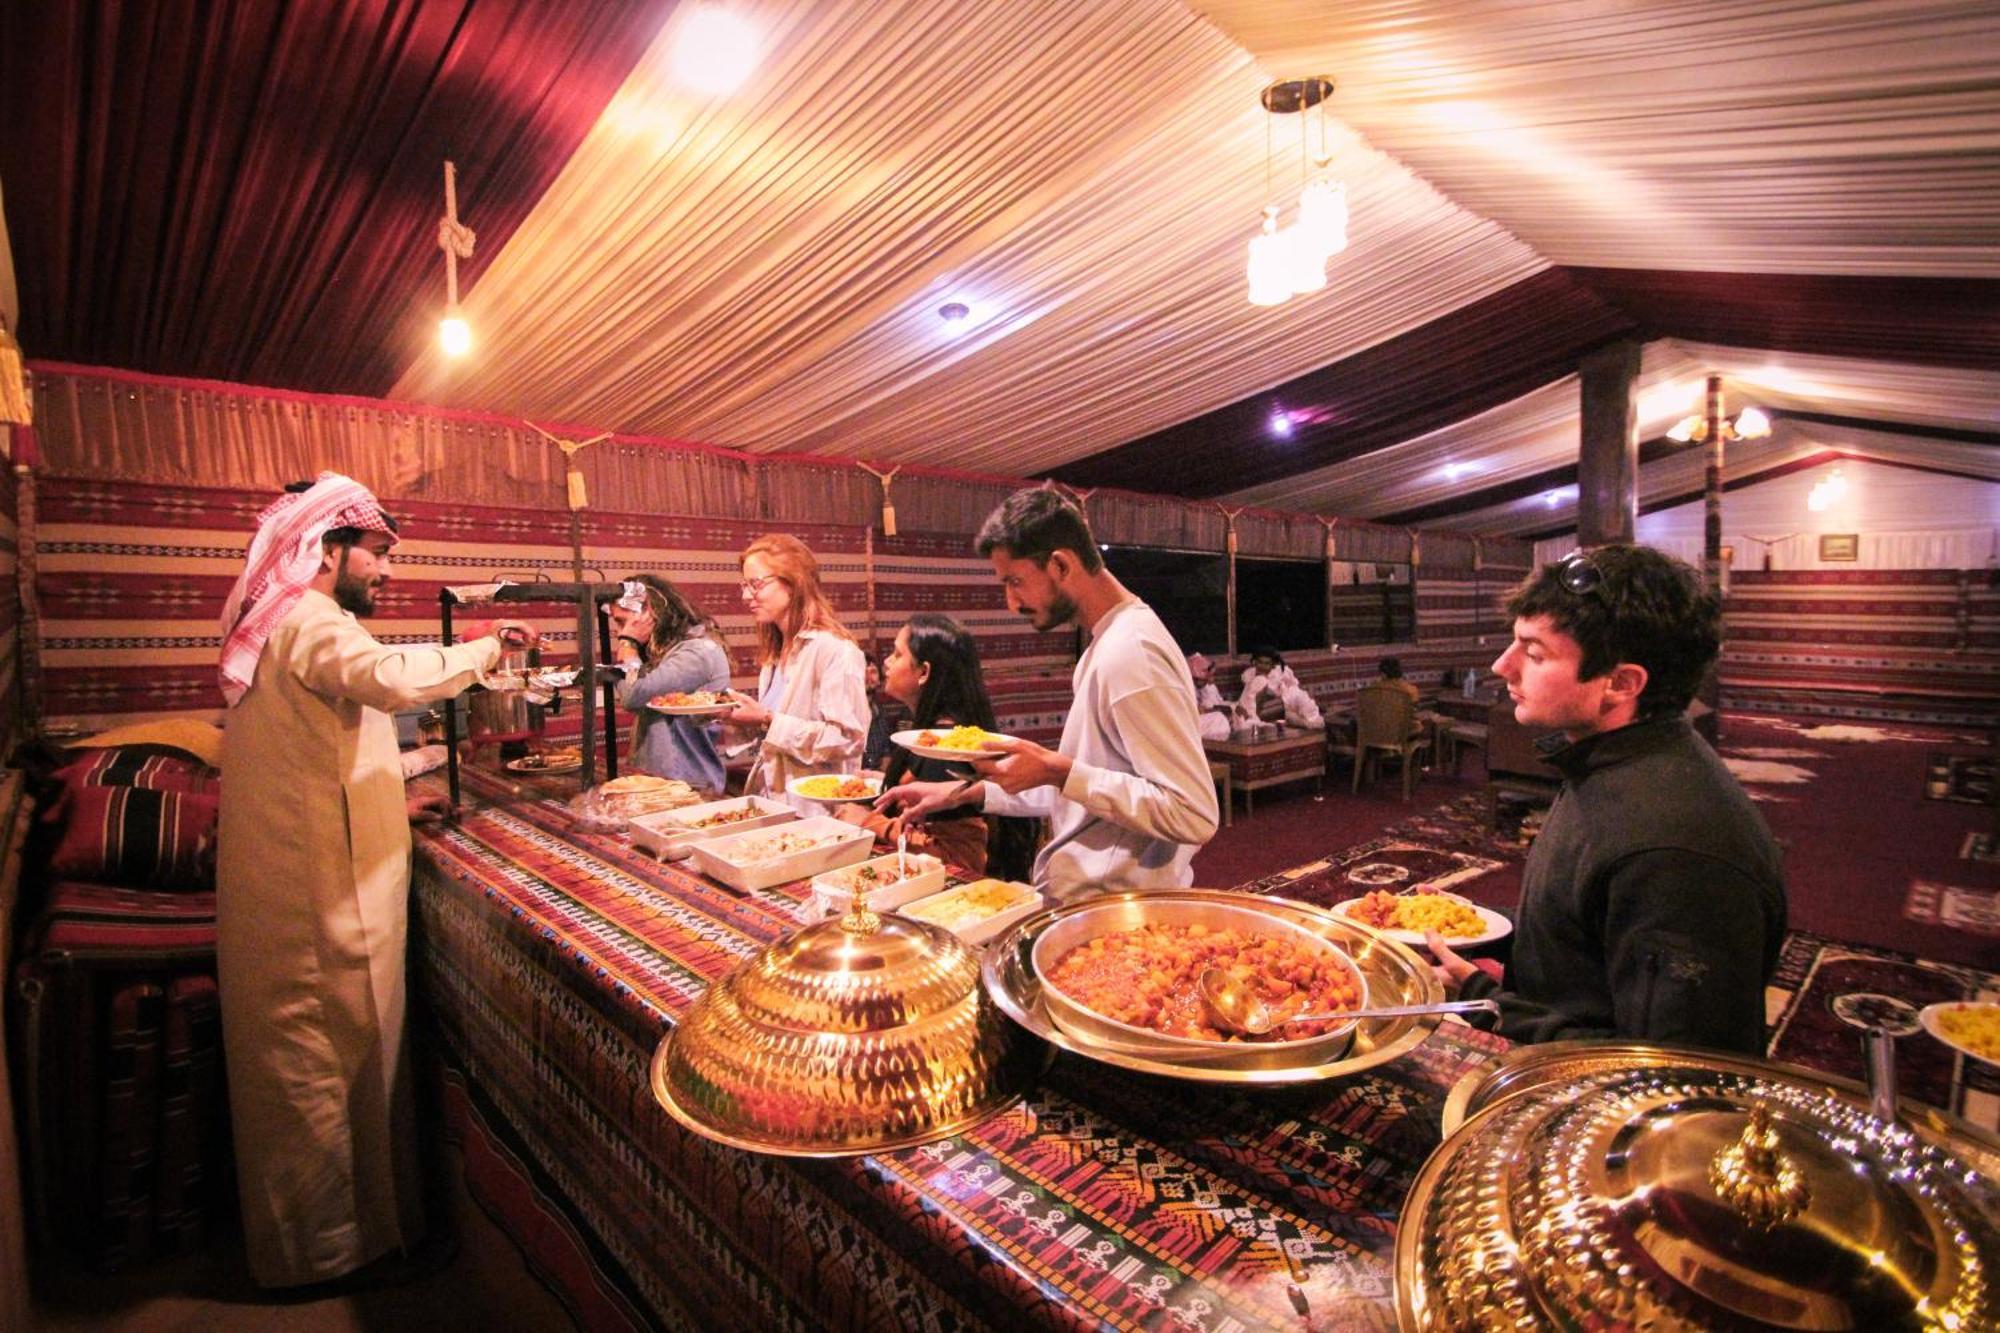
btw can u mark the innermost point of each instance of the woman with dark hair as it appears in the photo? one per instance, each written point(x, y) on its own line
point(934, 671)
point(671, 648)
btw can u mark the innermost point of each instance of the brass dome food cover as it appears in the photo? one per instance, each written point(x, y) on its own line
point(862, 1033)
point(1664, 1189)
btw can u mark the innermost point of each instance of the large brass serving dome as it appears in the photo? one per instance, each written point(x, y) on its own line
point(1678, 1190)
point(859, 1034)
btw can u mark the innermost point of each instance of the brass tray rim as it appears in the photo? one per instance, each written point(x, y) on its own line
point(1030, 1012)
point(1522, 1064)
point(1003, 1097)
point(1461, 1116)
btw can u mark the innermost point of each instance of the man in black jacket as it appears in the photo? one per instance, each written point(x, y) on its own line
point(1652, 904)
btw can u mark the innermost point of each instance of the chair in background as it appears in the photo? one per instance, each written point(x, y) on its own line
point(1385, 722)
point(1225, 793)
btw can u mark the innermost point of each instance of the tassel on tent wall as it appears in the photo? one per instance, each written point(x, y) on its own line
point(888, 503)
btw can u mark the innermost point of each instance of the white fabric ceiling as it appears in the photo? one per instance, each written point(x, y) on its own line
point(1539, 431)
point(763, 271)
point(1732, 135)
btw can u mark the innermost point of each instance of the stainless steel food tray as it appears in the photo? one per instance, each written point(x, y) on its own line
point(1394, 975)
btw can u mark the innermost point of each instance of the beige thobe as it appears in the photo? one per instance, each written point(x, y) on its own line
point(312, 888)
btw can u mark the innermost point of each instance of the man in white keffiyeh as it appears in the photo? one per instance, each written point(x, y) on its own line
point(312, 884)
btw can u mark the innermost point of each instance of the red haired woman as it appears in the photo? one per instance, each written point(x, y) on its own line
point(811, 704)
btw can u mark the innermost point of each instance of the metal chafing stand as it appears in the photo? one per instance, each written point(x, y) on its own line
point(593, 646)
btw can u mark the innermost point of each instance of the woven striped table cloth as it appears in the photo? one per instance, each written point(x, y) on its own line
point(552, 961)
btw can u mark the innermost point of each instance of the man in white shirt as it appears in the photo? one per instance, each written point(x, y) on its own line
point(1215, 711)
point(1127, 793)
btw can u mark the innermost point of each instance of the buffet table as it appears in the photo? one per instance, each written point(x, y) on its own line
point(551, 961)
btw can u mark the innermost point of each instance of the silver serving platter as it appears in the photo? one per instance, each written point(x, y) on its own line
point(1393, 974)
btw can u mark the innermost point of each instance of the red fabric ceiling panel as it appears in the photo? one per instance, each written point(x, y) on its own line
point(1923, 321)
point(1478, 357)
point(249, 191)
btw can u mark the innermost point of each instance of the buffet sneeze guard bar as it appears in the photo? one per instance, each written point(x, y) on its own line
point(596, 683)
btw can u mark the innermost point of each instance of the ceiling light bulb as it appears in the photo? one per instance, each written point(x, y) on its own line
point(1827, 493)
point(454, 335)
point(1752, 424)
point(1270, 267)
point(716, 50)
point(954, 312)
point(1281, 423)
point(1684, 430)
point(1323, 217)
point(1305, 267)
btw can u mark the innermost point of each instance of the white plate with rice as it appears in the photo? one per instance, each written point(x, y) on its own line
point(1967, 1026)
point(1493, 926)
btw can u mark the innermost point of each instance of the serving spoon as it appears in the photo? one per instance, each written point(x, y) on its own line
point(1236, 1009)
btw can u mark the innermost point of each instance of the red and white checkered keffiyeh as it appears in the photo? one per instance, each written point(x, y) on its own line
point(284, 558)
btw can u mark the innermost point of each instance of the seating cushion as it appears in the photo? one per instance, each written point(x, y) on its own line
point(136, 836)
point(154, 767)
point(135, 926)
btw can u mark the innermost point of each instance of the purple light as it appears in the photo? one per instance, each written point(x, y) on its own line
point(1281, 424)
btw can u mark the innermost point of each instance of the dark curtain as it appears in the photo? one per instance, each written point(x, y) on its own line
point(249, 190)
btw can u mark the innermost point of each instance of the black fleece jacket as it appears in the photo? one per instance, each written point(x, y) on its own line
point(1652, 904)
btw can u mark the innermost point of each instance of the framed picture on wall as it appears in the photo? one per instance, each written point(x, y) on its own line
point(1840, 546)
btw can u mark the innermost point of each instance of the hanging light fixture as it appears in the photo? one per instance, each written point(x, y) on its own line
point(1749, 424)
point(1290, 260)
point(1827, 492)
point(456, 240)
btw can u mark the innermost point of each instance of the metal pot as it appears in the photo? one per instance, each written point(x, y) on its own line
point(1624, 1185)
point(501, 712)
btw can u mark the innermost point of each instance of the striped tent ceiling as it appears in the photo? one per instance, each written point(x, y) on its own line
point(1528, 179)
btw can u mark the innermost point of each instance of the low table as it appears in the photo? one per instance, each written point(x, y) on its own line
point(1267, 756)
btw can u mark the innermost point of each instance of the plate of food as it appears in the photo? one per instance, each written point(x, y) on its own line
point(781, 853)
point(1405, 917)
point(978, 911)
point(1130, 982)
point(885, 882)
point(692, 703)
point(547, 761)
point(834, 788)
point(948, 742)
point(669, 833)
point(1968, 1026)
point(642, 793)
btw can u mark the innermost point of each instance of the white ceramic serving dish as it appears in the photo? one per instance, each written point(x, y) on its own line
point(983, 929)
point(741, 863)
point(1088, 1026)
point(832, 892)
point(669, 833)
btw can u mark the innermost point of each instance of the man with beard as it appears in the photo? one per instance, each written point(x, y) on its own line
point(312, 884)
point(1127, 792)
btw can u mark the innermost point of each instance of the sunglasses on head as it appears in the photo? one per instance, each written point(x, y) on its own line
point(1579, 574)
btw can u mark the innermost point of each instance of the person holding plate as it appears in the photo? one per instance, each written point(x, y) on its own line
point(812, 703)
point(1653, 903)
point(933, 672)
point(1127, 792)
point(668, 647)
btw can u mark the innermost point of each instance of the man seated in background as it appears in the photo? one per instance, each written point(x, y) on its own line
point(1215, 710)
point(1271, 693)
point(1390, 671)
point(1652, 904)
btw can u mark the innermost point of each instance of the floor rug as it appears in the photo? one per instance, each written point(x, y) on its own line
point(1959, 777)
point(1395, 864)
point(1825, 995)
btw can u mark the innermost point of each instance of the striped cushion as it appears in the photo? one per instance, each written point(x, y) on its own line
point(137, 836)
point(98, 922)
point(156, 767)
